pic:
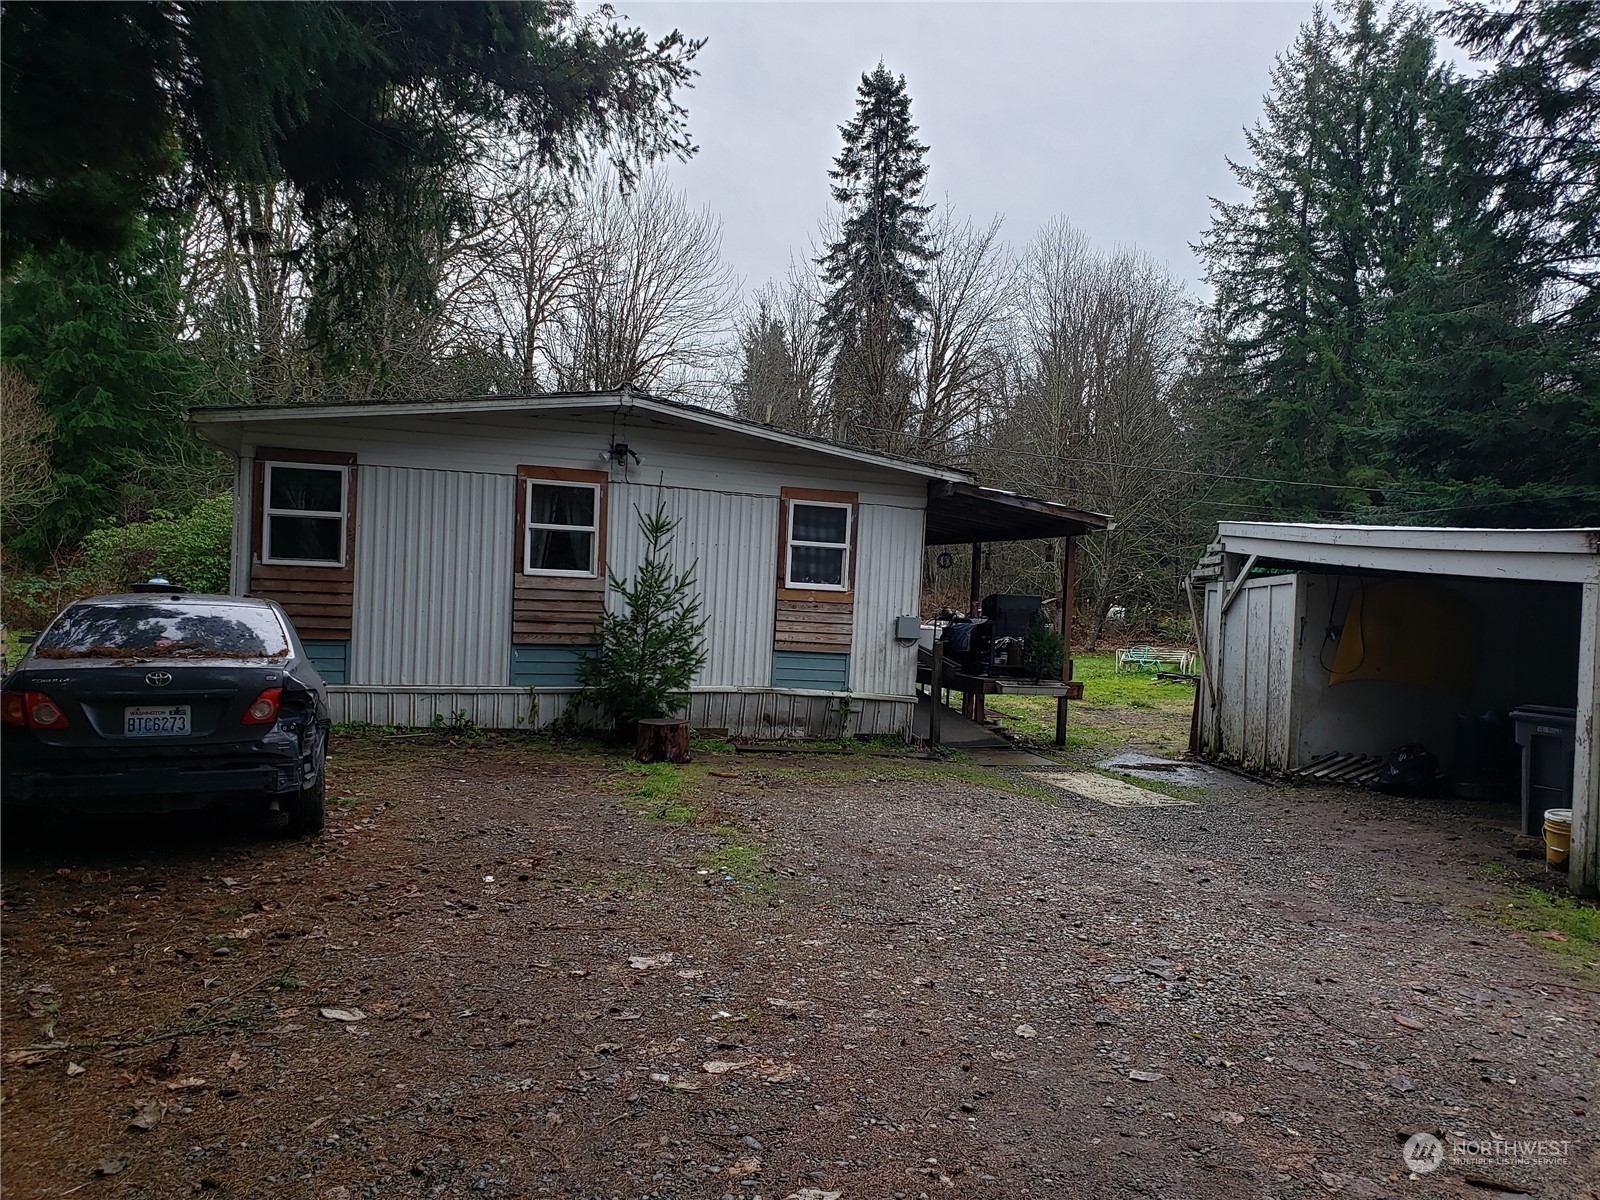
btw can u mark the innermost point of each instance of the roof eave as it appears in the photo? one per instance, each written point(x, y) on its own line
point(245, 414)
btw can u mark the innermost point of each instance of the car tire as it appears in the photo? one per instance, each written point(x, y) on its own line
point(308, 806)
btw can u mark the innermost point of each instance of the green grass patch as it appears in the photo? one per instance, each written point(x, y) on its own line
point(1576, 921)
point(1117, 712)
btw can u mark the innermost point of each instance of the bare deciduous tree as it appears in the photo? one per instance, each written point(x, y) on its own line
point(1092, 421)
point(26, 482)
point(962, 348)
point(652, 299)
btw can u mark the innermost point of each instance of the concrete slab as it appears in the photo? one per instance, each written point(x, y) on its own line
point(1104, 790)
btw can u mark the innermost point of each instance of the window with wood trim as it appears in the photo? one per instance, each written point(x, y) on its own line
point(561, 528)
point(305, 512)
point(818, 539)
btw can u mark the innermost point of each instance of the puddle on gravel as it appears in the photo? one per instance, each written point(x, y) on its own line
point(1104, 790)
point(1182, 773)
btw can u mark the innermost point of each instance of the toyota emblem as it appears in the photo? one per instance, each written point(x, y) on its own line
point(158, 679)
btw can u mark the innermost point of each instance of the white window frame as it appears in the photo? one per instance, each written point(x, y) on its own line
point(268, 512)
point(792, 542)
point(529, 525)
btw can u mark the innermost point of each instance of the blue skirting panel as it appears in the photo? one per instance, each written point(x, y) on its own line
point(546, 666)
point(813, 672)
point(331, 659)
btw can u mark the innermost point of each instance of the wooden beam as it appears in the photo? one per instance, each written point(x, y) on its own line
point(1583, 862)
point(1069, 588)
point(1231, 590)
point(976, 583)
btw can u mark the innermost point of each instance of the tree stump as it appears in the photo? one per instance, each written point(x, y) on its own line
point(662, 739)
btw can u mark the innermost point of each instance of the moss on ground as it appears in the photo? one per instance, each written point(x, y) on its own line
point(1559, 923)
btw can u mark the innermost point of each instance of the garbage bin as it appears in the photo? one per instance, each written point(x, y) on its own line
point(1549, 741)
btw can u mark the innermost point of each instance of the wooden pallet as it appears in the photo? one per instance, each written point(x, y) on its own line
point(1352, 770)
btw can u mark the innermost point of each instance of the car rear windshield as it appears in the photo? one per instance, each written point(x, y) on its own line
point(167, 630)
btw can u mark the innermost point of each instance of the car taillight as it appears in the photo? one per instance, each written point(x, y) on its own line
point(33, 709)
point(265, 709)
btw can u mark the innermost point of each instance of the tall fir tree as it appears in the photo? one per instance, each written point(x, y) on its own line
point(1345, 208)
point(874, 271)
point(98, 337)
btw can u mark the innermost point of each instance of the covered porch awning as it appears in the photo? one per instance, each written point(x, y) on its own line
point(964, 513)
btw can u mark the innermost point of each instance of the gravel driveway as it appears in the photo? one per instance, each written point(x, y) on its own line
point(499, 974)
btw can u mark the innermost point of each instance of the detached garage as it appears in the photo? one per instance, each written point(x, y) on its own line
point(1320, 640)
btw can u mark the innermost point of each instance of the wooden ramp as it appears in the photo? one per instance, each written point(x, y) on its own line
point(955, 730)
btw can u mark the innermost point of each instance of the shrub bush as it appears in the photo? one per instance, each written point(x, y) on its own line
point(191, 549)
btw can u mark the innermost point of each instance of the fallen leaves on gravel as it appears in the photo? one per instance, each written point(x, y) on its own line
point(720, 1067)
point(745, 1167)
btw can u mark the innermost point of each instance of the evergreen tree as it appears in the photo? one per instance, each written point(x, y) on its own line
point(371, 112)
point(98, 338)
point(650, 651)
point(874, 271)
point(772, 387)
point(1343, 209)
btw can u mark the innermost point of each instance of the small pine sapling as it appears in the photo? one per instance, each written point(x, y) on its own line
point(649, 652)
point(1042, 649)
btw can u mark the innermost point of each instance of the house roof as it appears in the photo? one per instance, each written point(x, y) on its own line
point(960, 513)
point(1561, 555)
point(214, 422)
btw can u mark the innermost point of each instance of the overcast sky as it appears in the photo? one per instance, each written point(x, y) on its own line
point(1118, 116)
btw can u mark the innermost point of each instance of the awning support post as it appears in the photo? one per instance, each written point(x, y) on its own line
point(1069, 587)
point(976, 586)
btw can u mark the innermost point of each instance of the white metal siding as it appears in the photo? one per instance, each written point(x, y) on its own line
point(732, 540)
point(433, 578)
point(1250, 653)
point(888, 585)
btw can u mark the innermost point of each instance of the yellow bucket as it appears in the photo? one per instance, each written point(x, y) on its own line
point(1557, 836)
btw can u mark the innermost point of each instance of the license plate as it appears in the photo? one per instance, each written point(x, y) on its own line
point(155, 721)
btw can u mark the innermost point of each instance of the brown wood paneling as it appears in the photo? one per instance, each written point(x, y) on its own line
point(814, 620)
point(809, 626)
point(319, 600)
point(560, 610)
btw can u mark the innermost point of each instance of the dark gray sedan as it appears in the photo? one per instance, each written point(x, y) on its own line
point(164, 701)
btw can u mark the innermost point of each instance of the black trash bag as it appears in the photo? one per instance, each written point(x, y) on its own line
point(1409, 771)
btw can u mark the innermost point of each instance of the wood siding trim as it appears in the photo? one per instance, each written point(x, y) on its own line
point(807, 626)
point(808, 619)
point(319, 600)
point(557, 610)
